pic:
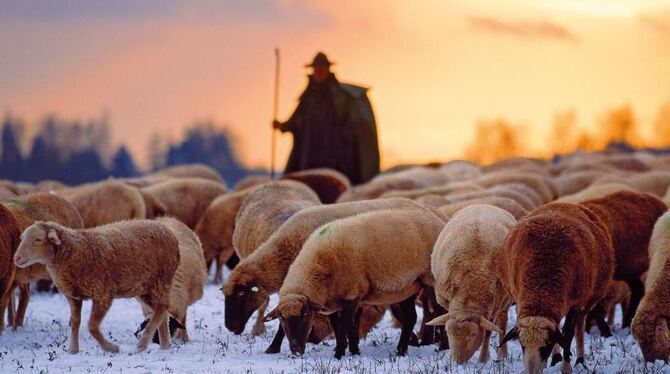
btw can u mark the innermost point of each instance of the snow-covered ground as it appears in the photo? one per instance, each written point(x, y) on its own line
point(41, 347)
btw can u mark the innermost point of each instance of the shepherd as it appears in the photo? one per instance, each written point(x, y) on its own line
point(333, 126)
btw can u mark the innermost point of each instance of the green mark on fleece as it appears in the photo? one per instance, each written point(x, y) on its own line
point(325, 230)
point(16, 201)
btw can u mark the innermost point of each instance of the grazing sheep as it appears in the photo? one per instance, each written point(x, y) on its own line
point(26, 210)
point(372, 190)
point(425, 176)
point(189, 279)
point(9, 240)
point(618, 293)
point(106, 202)
point(498, 191)
point(556, 261)
point(49, 185)
point(375, 258)
point(504, 203)
point(431, 200)
point(125, 259)
point(447, 189)
point(630, 217)
point(650, 325)
point(329, 184)
point(517, 163)
point(568, 184)
point(459, 170)
point(186, 198)
point(153, 208)
point(464, 262)
point(265, 209)
point(6, 194)
point(261, 274)
point(540, 185)
point(250, 181)
point(594, 192)
point(653, 182)
point(188, 171)
point(216, 226)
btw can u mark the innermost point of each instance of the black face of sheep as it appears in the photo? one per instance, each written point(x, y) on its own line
point(296, 327)
point(240, 305)
point(173, 325)
point(535, 353)
point(654, 338)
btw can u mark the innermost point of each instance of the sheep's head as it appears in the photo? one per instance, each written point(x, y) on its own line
point(296, 315)
point(651, 331)
point(154, 208)
point(173, 325)
point(243, 295)
point(39, 244)
point(537, 336)
point(466, 333)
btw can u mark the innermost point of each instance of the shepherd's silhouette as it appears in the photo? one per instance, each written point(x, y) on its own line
point(333, 126)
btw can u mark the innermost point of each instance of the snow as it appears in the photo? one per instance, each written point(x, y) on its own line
point(41, 347)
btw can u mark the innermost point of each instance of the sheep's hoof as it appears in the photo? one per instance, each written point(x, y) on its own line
point(339, 355)
point(272, 349)
point(112, 348)
point(258, 330)
point(556, 358)
point(401, 351)
point(73, 350)
point(580, 361)
point(413, 340)
point(355, 351)
point(566, 368)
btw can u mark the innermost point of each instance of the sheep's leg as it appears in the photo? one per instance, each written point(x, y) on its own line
point(24, 298)
point(484, 351)
point(340, 328)
point(580, 322)
point(610, 315)
point(75, 322)
point(259, 325)
point(501, 321)
point(427, 333)
point(98, 312)
point(350, 317)
point(164, 332)
point(183, 333)
point(636, 293)
point(275, 346)
point(158, 317)
point(6, 291)
point(396, 312)
point(408, 321)
point(556, 356)
point(568, 334)
point(441, 331)
point(11, 306)
point(218, 275)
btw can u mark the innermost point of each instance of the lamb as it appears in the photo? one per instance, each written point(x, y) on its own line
point(538, 184)
point(630, 217)
point(556, 261)
point(189, 279)
point(26, 210)
point(594, 192)
point(216, 226)
point(106, 202)
point(329, 184)
point(265, 209)
point(9, 240)
point(261, 274)
point(186, 198)
point(125, 259)
point(650, 325)
point(504, 203)
point(464, 263)
point(375, 258)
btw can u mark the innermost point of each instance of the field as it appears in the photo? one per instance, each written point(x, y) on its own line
point(41, 347)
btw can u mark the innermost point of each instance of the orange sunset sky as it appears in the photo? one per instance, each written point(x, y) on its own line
point(435, 67)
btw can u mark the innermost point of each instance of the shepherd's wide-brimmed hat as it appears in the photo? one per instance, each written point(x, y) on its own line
point(320, 60)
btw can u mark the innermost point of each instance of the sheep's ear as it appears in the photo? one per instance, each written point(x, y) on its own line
point(488, 325)
point(439, 321)
point(274, 314)
point(52, 235)
point(511, 335)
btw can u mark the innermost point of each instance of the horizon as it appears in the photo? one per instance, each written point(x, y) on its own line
point(434, 69)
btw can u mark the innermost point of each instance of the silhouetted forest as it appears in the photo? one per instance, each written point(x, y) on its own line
point(75, 152)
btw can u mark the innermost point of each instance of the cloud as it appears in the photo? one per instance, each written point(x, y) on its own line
point(527, 29)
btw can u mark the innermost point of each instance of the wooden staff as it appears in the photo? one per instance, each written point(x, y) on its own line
point(276, 108)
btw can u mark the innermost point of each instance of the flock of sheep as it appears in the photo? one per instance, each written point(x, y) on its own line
point(564, 242)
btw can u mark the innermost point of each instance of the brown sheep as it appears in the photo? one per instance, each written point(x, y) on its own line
point(153, 208)
point(106, 202)
point(329, 184)
point(630, 217)
point(216, 227)
point(540, 185)
point(446, 189)
point(375, 258)
point(594, 192)
point(618, 293)
point(189, 279)
point(568, 184)
point(6, 194)
point(498, 191)
point(188, 171)
point(504, 203)
point(650, 325)
point(135, 258)
point(372, 190)
point(186, 198)
point(9, 240)
point(26, 210)
point(250, 181)
point(267, 208)
point(261, 274)
point(557, 261)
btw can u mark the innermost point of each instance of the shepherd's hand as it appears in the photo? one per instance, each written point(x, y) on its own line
point(276, 124)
